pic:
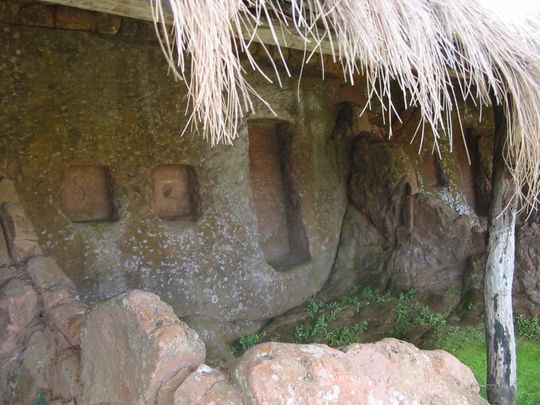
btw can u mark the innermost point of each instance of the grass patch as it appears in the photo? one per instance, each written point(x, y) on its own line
point(468, 345)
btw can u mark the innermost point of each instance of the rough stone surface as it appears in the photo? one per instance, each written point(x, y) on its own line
point(4, 253)
point(20, 301)
point(387, 371)
point(207, 386)
point(37, 15)
point(526, 279)
point(74, 19)
point(8, 194)
point(68, 319)
point(213, 267)
point(399, 371)
point(173, 197)
point(65, 376)
point(108, 24)
point(86, 193)
point(400, 203)
point(36, 363)
point(130, 346)
point(19, 231)
point(275, 373)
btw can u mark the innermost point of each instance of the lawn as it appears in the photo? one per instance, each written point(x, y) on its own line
point(468, 345)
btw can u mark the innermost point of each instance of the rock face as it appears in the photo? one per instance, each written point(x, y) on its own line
point(389, 371)
point(400, 205)
point(132, 349)
point(206, 386)
point(131, 345)
point(209, 265)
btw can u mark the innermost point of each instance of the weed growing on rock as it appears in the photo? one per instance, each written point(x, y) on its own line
point(319, 314)
point(248, 341)
point(410, 314)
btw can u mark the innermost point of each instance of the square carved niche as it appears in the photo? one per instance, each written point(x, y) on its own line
point(175, 192)
point(87, 193)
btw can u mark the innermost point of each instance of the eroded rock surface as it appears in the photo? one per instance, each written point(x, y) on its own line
point(389, 371)
point(131, 345)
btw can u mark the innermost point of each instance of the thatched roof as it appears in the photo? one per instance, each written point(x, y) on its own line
point(493, 51)
point(439, 51)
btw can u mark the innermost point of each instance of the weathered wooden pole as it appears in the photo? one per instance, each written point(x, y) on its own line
point(498, 318)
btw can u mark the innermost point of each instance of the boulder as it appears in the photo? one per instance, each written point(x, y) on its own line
point(65, 376)
point(67, 319)
point(411, 375)
point(36, 362)
point(130, 346)
point(55, 287)
point(207, 386)
point(279, 373)
point(390, 371)
point(20, 301)
point(19, 231)
point(18, 306)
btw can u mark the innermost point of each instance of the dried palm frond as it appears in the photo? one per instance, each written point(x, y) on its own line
point(421, 44)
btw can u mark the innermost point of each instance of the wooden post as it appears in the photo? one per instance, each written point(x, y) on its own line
point(498, 318)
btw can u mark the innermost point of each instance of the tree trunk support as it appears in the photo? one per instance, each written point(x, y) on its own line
point(498, 318)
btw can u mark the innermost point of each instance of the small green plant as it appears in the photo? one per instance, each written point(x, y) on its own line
point(528, 328)
point(346, 335)
point(302, 333)
point(248, 341)
point(408, 295)
point(409, 314)
point(313, 307)
point(453, 291)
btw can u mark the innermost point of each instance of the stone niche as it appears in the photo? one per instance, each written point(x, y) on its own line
point(282, 235)
point(176, 192)
point(87, 193)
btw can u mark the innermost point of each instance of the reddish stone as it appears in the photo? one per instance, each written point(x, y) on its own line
point(268, 191)
point(74, 19)
point(21, 238)
point(68, 319)
point(389, 371)
point(86, 193)
point(131, 345)
point(207, 386)
point(173, 191)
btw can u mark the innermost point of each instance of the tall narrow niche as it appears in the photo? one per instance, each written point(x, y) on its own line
point(282, 235)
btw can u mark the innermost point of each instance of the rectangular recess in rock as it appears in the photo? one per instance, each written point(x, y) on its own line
point(87, 193)
point(176, 193)
point(282, 234)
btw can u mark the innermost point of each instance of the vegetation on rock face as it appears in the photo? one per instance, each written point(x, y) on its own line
point(410, 314)
point(337, 324)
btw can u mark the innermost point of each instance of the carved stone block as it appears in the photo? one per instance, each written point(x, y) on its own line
point(174, 191)
point(86, 194)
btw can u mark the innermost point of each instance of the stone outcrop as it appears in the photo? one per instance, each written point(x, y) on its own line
point(132, 349)
point(209, 264)
point(131, 345)
point(390, 371)
point(40, 315)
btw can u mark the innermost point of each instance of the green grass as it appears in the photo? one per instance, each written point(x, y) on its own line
point(468, 345)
